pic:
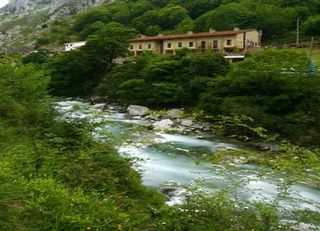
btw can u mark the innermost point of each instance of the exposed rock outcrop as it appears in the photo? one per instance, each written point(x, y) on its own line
point(19, 7)
point(19, 16)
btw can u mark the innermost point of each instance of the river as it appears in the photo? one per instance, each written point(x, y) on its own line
point(172, 161)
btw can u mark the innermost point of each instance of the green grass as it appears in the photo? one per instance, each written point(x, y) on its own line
point(315, 53)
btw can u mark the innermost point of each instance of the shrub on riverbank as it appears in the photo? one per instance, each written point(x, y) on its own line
point(162, 81)
point(276, 89)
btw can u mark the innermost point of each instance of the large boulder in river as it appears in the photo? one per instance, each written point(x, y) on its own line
point(174, 113)
point(163, 124)
point(136, 110)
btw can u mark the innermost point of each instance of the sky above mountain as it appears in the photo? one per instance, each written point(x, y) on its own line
point(3, 3)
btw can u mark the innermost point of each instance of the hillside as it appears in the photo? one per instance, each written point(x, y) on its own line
point(23, 20)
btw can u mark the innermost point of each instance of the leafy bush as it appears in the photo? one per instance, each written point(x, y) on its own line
point(272, 87)
point(157, 80)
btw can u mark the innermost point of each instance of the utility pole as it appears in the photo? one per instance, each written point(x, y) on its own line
point(298, 32)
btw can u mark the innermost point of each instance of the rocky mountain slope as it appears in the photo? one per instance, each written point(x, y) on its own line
point(22, 20)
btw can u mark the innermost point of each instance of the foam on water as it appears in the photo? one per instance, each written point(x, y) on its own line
point(190, 141)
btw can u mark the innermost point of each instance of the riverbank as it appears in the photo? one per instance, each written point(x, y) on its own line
point(172, 156)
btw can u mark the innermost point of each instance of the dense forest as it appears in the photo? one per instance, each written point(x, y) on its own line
point(56, 176)
point(277, 19)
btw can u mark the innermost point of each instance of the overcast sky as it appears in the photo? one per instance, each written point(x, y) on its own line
point(3, 2)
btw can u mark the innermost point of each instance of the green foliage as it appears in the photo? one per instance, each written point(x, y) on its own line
point(50, 205)
point(312, 25)
point(207, 64)
point(166, 18)
point(10, 193)
point(78, 72)
point(133, 91)
point(89, 17)
point(40, 57)
point(107, 44)
point(197, 8)
point(164, 81)
point(276, 18)
point(164, 94)
point(53, 175)
point(275, 89)
point(224, 18)
point(92, 29)
point(22, 88)
point(219, 212)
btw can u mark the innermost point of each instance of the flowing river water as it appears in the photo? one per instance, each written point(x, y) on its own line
point(170, 161)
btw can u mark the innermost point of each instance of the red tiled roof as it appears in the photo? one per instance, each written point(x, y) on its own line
point(193, 35)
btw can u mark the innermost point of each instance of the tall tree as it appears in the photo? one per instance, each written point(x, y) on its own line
point(78, 72)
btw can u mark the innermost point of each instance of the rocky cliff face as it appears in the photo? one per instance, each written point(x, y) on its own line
point(25, 6)
point(21, 20)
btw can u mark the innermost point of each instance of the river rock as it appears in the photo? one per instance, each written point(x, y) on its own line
point(174, 113)
point(299, 226)
point(170, 191)
point(155, 117)
point(187, 122)
point(267, 147)
point(233, 136)
point(163, 124)
point(174, 195)
point(100, 106)
point(197, 126)
point(136, 110)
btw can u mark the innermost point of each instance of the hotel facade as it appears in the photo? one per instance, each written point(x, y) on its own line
point(235, 41)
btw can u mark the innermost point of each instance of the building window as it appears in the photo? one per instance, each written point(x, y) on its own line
point(149, 46)
point(140, 46)
point(229, 42)
point(179, 44)
point(215, 44)
point(191, 44)
point(169, 45)
point(131, 47)
point(255, 44)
